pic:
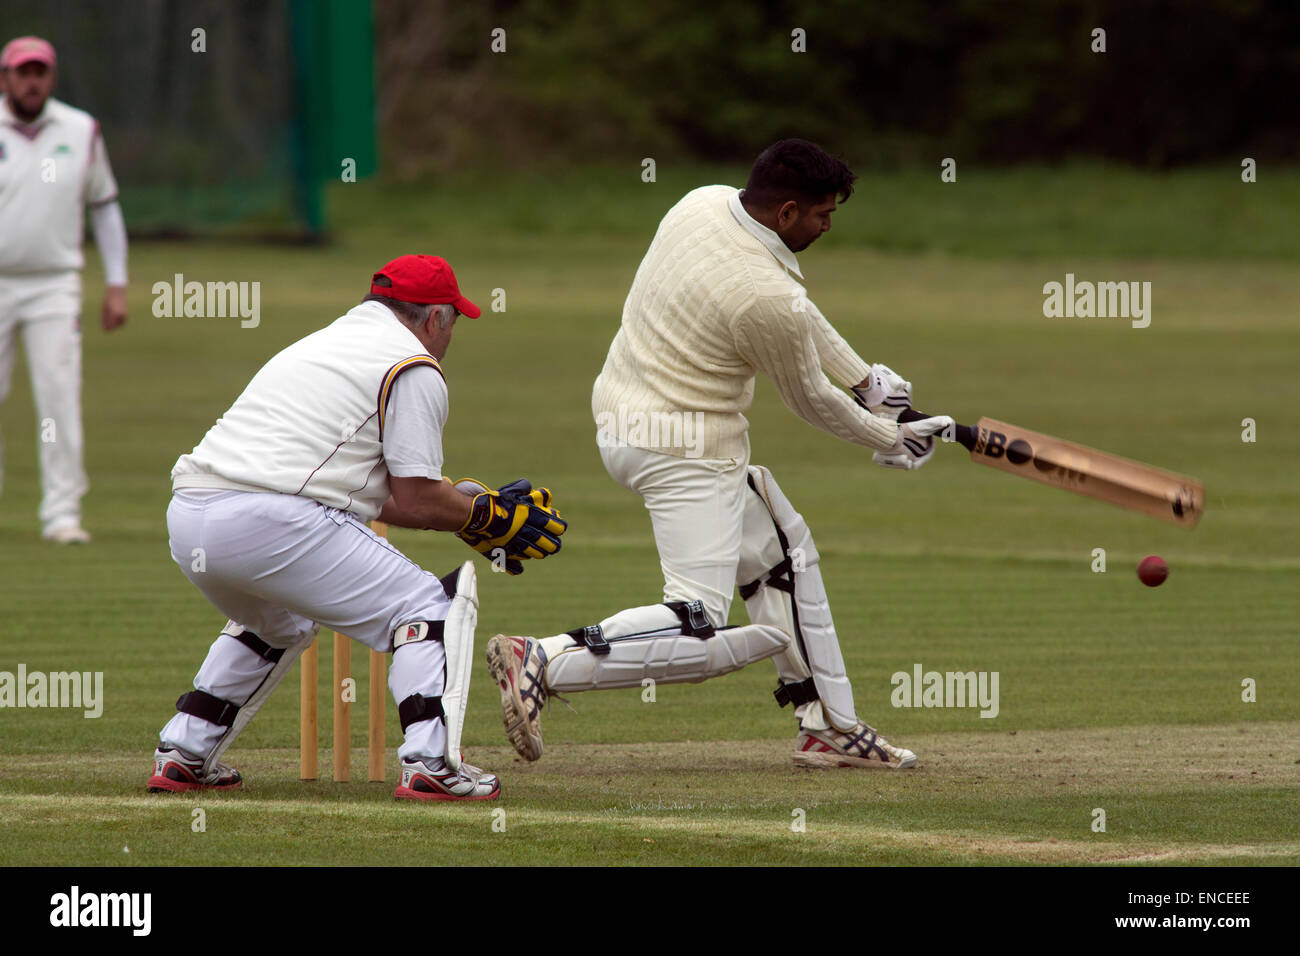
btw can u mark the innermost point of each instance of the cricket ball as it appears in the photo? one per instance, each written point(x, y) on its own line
point(1152, 570)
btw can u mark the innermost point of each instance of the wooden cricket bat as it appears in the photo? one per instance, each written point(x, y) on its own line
point(1123, 482)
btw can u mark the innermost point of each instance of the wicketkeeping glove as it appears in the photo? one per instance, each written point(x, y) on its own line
point(515, 521)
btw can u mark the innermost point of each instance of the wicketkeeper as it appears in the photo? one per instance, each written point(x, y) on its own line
point(268, 520)
point(716, 300)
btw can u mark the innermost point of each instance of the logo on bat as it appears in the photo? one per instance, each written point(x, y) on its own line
point(993, 444)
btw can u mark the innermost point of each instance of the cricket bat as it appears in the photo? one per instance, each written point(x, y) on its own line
point(1123, 482)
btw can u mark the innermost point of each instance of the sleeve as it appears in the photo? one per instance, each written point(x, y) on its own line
point(417, 414)
point(837, 356)
point(110, 237)
point(101, 187)
point(781, 343)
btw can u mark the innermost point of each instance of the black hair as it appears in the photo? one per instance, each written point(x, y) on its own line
point(799, 170)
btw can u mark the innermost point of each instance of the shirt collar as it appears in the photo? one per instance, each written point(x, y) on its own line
point(764, 235)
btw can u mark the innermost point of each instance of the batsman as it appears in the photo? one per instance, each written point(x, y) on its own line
point(718, 299)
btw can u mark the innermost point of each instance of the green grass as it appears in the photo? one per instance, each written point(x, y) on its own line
point(1024, 211)
point(1112, 695)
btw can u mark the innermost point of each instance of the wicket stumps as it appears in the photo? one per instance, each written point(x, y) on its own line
point(309, 717)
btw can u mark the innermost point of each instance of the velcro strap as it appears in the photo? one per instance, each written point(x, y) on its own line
point(694, 621)
point(448, 582)
point(417, 707)
point(780, 577)
point(258, 646)
point(591, 637)
point(799, 693)
point(199, 703)
point(417, 631)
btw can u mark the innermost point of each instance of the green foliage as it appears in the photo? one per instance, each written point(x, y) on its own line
point(883, 84)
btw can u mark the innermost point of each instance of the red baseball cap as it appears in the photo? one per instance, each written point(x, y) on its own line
point(27, 50)
point(423, 279)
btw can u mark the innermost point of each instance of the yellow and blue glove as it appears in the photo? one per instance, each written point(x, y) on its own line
point(514, 522)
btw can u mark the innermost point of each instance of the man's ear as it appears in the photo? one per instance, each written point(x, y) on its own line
point(788, 213)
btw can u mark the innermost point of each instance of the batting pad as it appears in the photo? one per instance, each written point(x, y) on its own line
point(664, 659)
point(777, 549)
point(458, 644)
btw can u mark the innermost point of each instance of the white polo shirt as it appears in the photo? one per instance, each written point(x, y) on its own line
point(49, 171)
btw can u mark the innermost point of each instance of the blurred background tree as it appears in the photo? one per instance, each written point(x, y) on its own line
point(886, 84)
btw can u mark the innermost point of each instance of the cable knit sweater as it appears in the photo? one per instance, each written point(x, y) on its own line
point(713, 303)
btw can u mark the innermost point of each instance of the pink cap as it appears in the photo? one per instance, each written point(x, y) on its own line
point(26, 50)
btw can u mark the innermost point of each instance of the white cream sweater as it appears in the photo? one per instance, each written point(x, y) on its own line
point(713, 303)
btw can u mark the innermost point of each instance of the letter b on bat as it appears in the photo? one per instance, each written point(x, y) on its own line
point(996, 445)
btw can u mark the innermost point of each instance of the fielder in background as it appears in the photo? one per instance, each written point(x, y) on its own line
point(268, 520)
point(716, 300)
point(52, 163)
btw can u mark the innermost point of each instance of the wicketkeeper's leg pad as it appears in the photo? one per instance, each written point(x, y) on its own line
point(458, 642)
point(447, 697)
point(666, 643)
point(781, 583)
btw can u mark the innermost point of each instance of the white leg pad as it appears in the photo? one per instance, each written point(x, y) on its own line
point(458, 642)
point(815, 650)
point(664, 658)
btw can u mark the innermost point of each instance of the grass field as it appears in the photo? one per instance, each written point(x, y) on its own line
point(1113, 696)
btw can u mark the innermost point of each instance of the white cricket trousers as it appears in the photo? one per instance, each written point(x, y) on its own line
point(280, 565)
point(713, 532)
point(44, 310)
point(698, 511)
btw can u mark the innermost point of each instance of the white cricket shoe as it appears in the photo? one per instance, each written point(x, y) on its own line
point(72, 533)
point(859, 747)
point(178, 772)
point(518, 665)
point(434, 781)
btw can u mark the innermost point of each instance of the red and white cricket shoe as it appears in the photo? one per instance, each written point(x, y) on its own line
point(175, 772)
point(859, 747)
point(423, 782)
point(518, 665)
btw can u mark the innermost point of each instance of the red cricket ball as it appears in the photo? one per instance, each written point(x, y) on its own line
point(1152, 570)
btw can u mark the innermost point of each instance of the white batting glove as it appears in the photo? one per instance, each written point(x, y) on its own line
point(915, 443)
point(887, 393)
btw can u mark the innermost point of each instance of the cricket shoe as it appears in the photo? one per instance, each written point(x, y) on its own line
point(859, 747)
point(422, 781)
point(176, 772)
point(518, 665)
point(71, 533)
